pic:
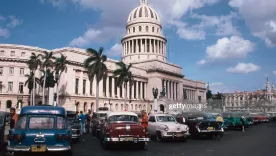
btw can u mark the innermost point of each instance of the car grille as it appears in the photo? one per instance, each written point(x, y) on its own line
point(174, 133)
point(205, 125)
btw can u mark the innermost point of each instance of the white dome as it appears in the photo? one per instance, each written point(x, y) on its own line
point(143, 13)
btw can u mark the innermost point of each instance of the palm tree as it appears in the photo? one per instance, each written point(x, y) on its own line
point(60, 67)
point(47, 63)
point(95, 65)
point(33, 63)
point(29, 82)
point(125, 76)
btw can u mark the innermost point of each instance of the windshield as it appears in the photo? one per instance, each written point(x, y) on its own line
point(165, 119)
point(123, 118)
point(41, 123)
point(101, 115)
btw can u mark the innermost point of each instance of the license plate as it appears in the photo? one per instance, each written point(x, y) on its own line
point(210, 128)
point(179, 135)
point(38, 148)
point(129, 139)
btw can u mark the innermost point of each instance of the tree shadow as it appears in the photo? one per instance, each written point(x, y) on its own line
point(63, 95)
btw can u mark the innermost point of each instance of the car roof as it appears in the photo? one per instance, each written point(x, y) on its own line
point(160, 114)
point(102, 112)
point(42, 110)
point(121, 113)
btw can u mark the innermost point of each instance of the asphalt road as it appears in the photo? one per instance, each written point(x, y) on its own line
point(256, 141)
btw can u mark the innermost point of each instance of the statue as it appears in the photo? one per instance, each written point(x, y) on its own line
point(163, 93)
point(155, 93)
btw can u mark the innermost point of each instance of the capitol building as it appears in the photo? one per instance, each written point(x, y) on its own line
point(144, 45)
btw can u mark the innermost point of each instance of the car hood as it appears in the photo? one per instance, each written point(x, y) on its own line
point(173, 124)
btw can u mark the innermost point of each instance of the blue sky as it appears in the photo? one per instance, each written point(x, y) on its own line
point(229, 43)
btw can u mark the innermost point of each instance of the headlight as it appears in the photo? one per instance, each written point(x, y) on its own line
point(187, 128)
point(166, 128)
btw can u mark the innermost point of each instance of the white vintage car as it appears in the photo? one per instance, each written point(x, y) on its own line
point(163, 126)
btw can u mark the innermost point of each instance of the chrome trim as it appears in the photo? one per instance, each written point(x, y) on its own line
point(28, 149)
point(40, 135)
point(58, 148)
point(123, 139)
point(43, 140)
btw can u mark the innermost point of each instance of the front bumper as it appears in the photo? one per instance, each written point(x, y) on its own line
point(176, 134)
point(75, 136)
point(28, 148)
point(126, 139)
point(210, 131)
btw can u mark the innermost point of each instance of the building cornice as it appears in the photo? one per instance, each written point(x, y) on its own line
point(143, 35)
point(22, 47)
point(13, 60)
point(142, 22)
point(165, 72)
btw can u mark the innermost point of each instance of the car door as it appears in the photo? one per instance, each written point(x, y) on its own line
point(152, 125)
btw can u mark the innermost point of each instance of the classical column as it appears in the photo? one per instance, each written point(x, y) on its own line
point(128, 90)
point(132, 91)
point(140, 46)
point(176, 88)
point(100, 88)
point(107, 87)
point(146, 93)
point(123, 91)
point(128, 47)
point(132, 46)
point(141, 90)
point(137, 90)
point(167, 89)
point(150, 45)
point(137, 45)
point(113, 85)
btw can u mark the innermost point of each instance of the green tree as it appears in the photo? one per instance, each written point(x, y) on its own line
point(60, 66)
point(124, 76)
point(47, 63)
point(34, 63)
point(209, 94)
point(95, 65)
point(30, 83)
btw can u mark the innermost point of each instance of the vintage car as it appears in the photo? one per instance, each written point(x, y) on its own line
point(123, 127)
point(165, 126)
point(2, 130)
point(201, 125)
point(74, 126)
point(249, 118)
point(97, 119)
point(40, 129)
point(214, 116)
point(257, 119)
point(271, 115)
point(234, 120)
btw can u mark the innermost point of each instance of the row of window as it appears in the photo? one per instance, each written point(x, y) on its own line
point(10, 87)
point(146, 29)
point(12, 54)
point(11, 71)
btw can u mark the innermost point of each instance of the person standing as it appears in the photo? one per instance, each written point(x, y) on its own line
point(219, 119)
point(14, 118)
point(82, 119)
point(145, 119)
point(88, 120)
point(243, 122)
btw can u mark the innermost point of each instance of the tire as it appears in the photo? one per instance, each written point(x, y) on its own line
point(158, 136)
point(143, 146)
point(68, 153)
point(18, 154)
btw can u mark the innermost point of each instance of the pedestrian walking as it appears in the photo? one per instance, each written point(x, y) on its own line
point(145, 119)
point(88, 120)
point(243, 122)
point(82, 119)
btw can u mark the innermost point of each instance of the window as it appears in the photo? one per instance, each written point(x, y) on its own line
point(60, 123)
point(151, 119)
point(21, 87)
point(165, 119)
point(84, 87)
point(10, 86)
point(2, 53)
point(134, 30)
point(152, 29)
point(41, 122)
point(1, 84)
point(21, 71)
point(140, 28)
point(77, 86)
point(23, 54)
point(12, 53)
point(22, 123)
point(11, 70)
point(199, 99)
point(1, 71)
point(147, 28)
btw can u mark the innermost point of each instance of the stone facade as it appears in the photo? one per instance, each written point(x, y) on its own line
point(150, 69)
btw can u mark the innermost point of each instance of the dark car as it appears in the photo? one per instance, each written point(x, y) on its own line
point(200, 125)
point(2, 130)
point(74, 125)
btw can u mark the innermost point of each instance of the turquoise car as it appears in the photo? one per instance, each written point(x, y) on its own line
point(234, 120)
point(40, 129)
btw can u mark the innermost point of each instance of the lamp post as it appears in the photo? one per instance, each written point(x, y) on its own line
point(155, 95)
point(57, 90)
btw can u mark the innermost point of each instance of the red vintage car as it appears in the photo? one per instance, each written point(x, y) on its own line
point(123, 127)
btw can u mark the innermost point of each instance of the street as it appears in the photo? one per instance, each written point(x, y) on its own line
point(256, 141)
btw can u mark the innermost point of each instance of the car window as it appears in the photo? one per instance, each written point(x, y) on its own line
point(152, 119)
point(129, 118)
point(165, 119)
point(22, 122)
point(61, 123)
point(41, 122)
point(101, 115)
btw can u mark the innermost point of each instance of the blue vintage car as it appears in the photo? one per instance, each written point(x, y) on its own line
point(40, 129)
point(214, 116)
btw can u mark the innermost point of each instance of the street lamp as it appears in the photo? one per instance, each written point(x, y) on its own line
point(56, 99)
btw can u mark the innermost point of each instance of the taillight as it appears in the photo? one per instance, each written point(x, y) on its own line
point(59, 137)
point(11, 137)
point(66, 137)
point(19, 137)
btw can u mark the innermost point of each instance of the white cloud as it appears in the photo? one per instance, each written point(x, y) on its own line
point(260, 18)
point(227, 48)
point(2, 18)
point(55, 3)
point(274, 72)
point(4, 32)
point(13, 22)
point(244, 68)
point(116, 50)
point(220, 87)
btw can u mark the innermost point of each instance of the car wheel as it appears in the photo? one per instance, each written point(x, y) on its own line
point(68, 153)
point(183, 139)
point(159, 136)
point(18, 154)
